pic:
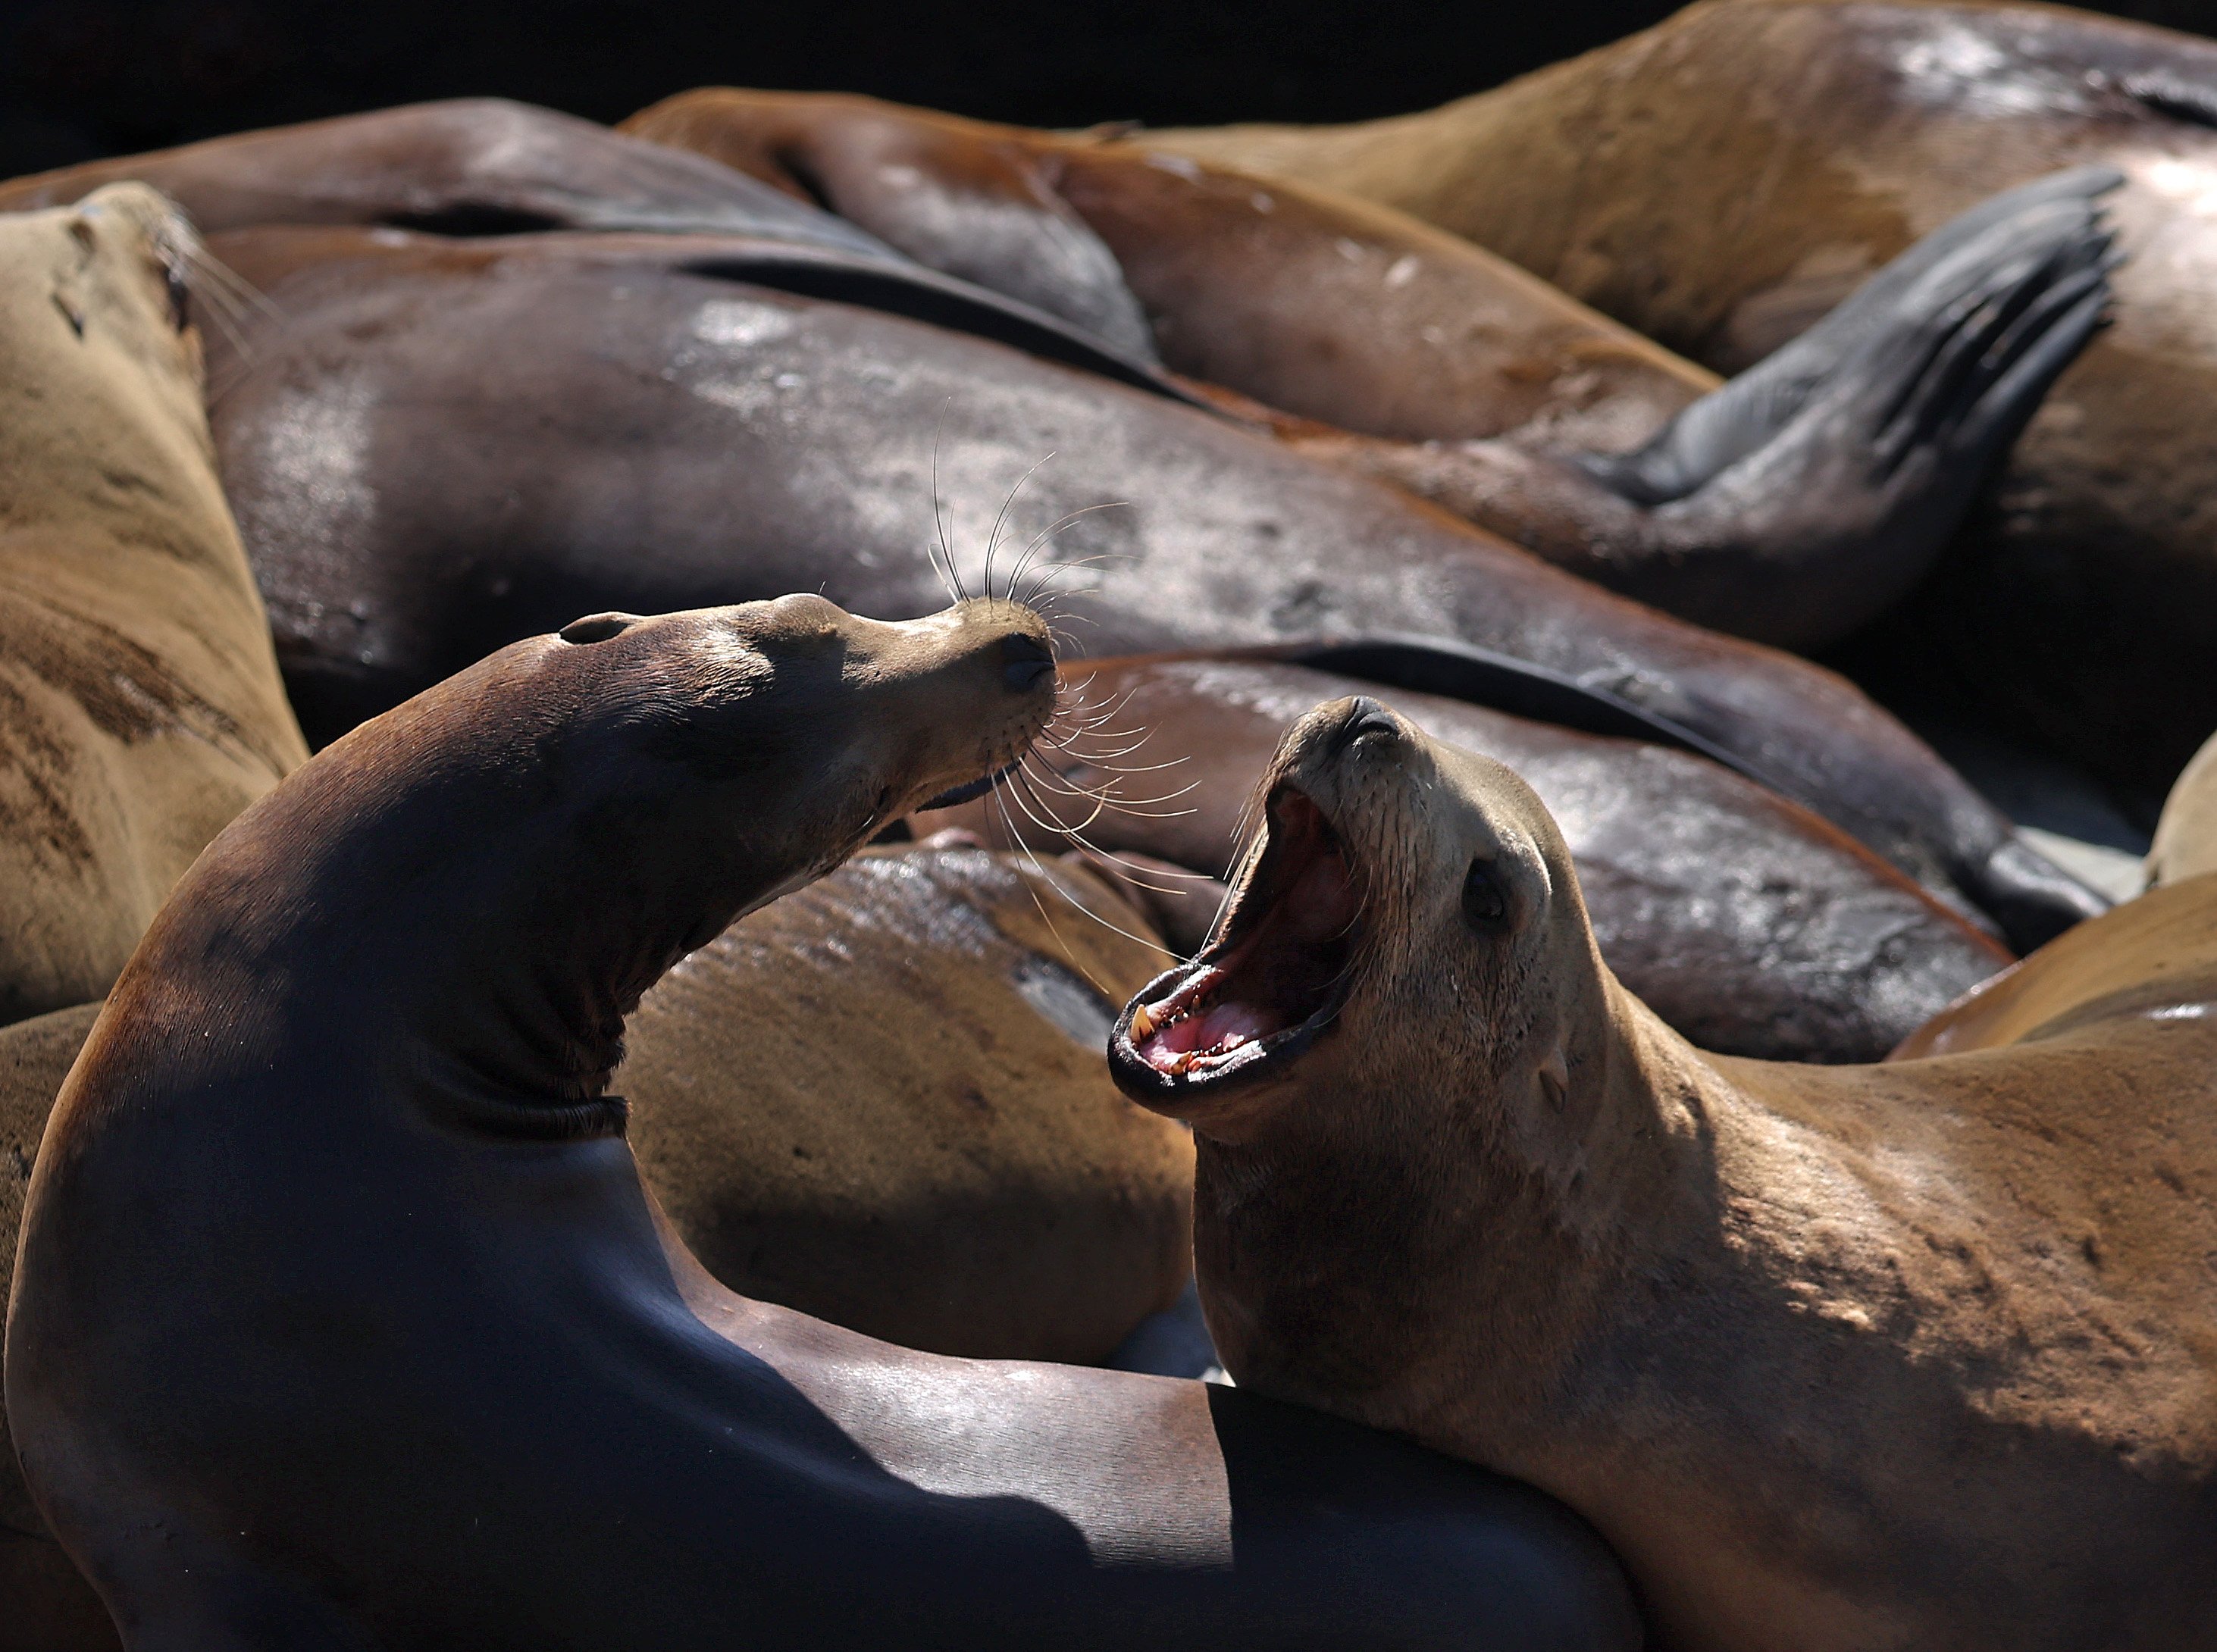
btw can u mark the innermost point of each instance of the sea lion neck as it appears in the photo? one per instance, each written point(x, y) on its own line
point(475, 889)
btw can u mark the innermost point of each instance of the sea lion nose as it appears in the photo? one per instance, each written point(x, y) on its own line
point(1025, 661)
point(1365, 716)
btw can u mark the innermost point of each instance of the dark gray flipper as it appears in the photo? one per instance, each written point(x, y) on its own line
point(1968, 328)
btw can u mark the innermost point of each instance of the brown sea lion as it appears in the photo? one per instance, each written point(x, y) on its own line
point(1721, 181)
point(1915, 1354)
point(402, 1350)
point(438, 445)
point(880, 1101)
point(1790, 506)
point(140, 705)
point(1748, 924)
point(2186, 834)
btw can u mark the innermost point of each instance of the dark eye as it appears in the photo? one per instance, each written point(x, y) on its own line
point(1484, 899)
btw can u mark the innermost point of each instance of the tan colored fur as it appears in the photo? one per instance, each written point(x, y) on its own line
point(1915, 1355)
point(139, 703)
point(2186, 836)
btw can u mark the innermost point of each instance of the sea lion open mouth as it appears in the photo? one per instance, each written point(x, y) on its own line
point(1273, 980)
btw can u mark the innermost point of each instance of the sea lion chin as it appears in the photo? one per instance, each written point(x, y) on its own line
point(1814, 1347)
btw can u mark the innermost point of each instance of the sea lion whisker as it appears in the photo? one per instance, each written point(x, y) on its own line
point(1068, 953)
point(1020, 789)
point(1061, 783)
point(951, 575)
point(993, 539)
point(242, 290)
point(1055, 528)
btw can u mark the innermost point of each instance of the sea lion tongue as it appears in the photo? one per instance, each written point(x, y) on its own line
point(1284, 950)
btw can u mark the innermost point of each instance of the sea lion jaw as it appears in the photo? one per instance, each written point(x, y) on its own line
point(1383, 855)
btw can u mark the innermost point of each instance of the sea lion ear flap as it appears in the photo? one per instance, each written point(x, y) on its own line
point(1555, 1076)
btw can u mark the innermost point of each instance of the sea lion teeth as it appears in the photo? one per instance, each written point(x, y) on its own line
point(1143, 1023)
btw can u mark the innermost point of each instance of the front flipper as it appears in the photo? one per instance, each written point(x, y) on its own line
point(1805, 496)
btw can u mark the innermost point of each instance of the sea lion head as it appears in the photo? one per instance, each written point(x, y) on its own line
point(110, 275)
point(1404, 940)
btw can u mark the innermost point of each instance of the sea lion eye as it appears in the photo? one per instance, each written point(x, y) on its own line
point(1484, 899)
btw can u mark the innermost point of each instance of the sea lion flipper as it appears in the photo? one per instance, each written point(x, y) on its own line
point(2051, 214)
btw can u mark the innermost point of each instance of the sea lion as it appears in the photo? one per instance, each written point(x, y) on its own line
point(1721, 181)
point(1910, 1354)
point(880, 1101)
point(46, 1604)
point(1748, 924)
point(139, 703)
point(1787, 507)
point(1790, 506)
point(402, 1351)
point(439, 445)
point(2186, 833)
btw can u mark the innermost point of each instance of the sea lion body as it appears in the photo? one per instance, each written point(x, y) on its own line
point(1441, 368)
point(1722, 180)
point(880, 1101)
point(405, 1352)
point(49, 1606)
point(443, 445)
point(140, 705)
point(1747, 923)
point(1912, 1354)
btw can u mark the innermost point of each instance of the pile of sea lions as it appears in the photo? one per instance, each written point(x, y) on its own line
point(699, 1115)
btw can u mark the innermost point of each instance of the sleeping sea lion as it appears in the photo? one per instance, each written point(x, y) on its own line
point(140, 705)
point(438, 445)
point(1721, 181)
point(1787, 507)
point(1915, 1354)
point(1790, 506)
point(1748, 924)
point(403, 1353)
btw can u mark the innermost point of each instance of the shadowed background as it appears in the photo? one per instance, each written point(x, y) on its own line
point(88, 78)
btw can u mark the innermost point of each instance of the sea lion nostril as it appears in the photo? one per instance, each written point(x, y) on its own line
point(1365, 716)
point(596, 627)
point(1027, 660)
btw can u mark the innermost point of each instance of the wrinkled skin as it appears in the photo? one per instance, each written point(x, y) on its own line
point(442, 445)
point(1913, 1354)
point(404, 1352)
point(1720, 182)
point(140, 705)
point(1748, 924)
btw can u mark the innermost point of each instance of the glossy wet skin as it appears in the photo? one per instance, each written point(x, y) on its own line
point(1749, 925)
point(1457, 376)
point(1721, 181)
point(1808, 1344)
point(517, 1410)
point(786, 448)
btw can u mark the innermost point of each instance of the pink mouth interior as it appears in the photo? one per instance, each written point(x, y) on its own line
point(1292, 937)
